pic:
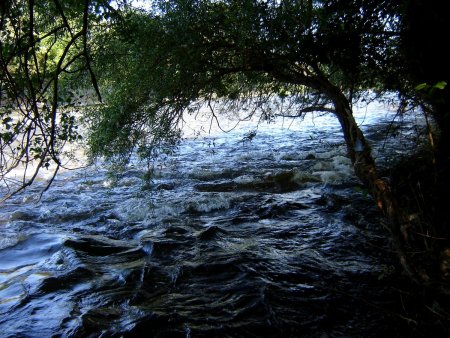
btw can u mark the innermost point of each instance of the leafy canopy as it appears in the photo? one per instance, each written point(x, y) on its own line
point(182, 54)
point(146, 69)
point(45, 58)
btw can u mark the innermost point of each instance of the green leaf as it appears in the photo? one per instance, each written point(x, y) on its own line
point(440, 85)
point(421, 86)
point(7, 120)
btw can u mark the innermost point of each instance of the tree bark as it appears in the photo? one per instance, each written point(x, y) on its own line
point(360, 153)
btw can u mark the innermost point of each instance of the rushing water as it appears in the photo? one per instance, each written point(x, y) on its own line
point(265, 237)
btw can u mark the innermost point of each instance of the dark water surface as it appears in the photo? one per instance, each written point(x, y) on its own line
point(272, 237)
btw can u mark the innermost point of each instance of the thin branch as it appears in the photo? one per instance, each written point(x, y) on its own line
point(309, 110)
point(86, 54)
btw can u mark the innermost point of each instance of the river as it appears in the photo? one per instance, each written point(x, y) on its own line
point(234, 237)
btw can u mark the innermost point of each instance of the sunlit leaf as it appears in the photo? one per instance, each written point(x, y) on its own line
point(421, 86)
point(440, 85)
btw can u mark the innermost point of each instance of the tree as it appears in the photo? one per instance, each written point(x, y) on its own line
point(45, 56)
point(323, 53)
point(156, 66)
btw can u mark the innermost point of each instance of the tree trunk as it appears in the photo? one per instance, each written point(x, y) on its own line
point(364, 165)
point(360, 154)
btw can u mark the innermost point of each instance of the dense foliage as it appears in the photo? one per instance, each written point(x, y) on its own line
point(46, 64)
point(184, 51)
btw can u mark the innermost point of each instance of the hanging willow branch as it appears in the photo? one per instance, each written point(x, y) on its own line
point(42, 57)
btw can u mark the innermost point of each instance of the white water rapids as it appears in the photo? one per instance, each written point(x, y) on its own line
point(271, 236)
